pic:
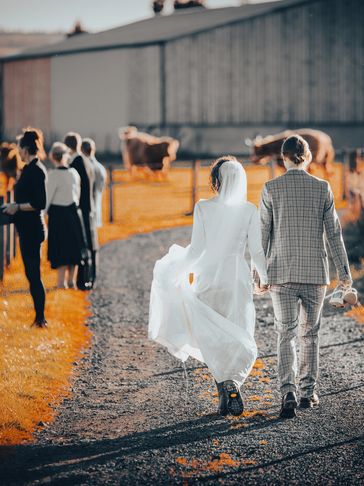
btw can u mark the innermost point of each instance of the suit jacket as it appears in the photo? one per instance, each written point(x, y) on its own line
point(87, 175)
point(296, 211)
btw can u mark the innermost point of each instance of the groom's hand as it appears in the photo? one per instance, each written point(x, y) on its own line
point(346, 284)
point(260, 289)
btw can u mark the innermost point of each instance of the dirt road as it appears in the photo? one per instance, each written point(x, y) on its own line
point(134, 420)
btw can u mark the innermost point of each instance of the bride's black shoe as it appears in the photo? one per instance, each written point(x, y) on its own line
point(235, 405)
point(222, 408)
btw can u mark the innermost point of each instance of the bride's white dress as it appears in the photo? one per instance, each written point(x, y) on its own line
point(213, 318)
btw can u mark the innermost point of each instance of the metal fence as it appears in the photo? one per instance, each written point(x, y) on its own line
point(7, 239)
point(8, 235)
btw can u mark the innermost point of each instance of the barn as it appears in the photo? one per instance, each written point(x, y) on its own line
point(210, 78)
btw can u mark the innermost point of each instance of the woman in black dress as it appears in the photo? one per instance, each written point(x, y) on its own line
point(65, 239)
point(30, 200)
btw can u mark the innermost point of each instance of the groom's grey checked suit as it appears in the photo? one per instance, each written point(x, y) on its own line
point(296, 211)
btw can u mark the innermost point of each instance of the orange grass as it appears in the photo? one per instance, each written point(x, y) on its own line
point(196, 466)
point(36, 365)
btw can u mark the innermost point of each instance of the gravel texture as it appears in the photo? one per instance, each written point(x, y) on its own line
point(133, 419)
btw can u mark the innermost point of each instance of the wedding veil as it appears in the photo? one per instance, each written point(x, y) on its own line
point(233, 188)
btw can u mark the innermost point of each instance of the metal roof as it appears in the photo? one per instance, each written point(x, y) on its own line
point(156, 29)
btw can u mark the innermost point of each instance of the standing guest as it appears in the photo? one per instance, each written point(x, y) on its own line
point(63, 196)
point(86, 172)
point(88, 148)
point(30, 200)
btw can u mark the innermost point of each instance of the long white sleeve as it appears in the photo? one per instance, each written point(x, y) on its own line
point(256, 248)
point(198, 233)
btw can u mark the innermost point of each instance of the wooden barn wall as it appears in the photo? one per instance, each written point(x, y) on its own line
point(303, 65)
point(96, 93)
point(27, 96)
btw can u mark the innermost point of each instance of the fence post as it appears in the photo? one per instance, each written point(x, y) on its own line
point(196, 164)
point(111, 195)
point(2, 245)
point(272, 165)
point(9, 234)
point(346, 170)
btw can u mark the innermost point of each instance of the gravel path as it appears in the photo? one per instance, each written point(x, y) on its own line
point(133, 418)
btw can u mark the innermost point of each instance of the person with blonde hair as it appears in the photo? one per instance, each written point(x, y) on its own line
point(64, 230)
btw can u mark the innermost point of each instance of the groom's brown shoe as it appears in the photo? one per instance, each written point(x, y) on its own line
point(289, 405)
point(309, 402)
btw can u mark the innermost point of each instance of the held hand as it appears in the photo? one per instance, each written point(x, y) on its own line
point(260, 289)
point(264, 288)
point(10, 209)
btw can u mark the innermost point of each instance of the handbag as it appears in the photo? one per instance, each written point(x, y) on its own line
point(84, 275)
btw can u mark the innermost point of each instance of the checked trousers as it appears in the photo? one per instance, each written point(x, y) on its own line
point(297, 310)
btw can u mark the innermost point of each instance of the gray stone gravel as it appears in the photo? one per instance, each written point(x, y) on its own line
point(133, 420)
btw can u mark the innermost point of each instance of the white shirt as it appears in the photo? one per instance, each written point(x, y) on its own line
point(63, 187)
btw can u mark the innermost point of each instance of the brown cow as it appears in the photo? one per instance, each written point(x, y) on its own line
point(268, 148)
point(151, 154)
point(10, 162)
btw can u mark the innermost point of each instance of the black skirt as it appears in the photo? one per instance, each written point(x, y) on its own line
point(65, 241)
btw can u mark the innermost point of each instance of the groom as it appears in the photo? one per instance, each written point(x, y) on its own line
point(296, 211)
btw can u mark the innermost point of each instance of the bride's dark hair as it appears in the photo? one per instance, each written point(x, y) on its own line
point(215, 178)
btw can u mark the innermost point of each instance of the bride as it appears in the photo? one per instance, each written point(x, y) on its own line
point(202, 298)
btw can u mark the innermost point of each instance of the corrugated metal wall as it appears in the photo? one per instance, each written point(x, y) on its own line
point(303, 65)
point(27, 95)
point(95, 93)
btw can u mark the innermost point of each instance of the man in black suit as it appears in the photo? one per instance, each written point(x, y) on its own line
point(85, 169)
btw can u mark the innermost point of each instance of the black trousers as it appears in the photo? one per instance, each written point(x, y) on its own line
point(30, 252)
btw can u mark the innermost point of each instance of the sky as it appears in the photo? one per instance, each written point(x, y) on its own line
point(95, 15)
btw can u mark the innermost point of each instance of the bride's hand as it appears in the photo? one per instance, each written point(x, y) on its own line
point(261, 289)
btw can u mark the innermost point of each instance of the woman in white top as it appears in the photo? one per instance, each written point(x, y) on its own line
point(65, 241)
point(202, 298)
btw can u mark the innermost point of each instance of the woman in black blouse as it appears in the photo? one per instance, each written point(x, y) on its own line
point(30, 200)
